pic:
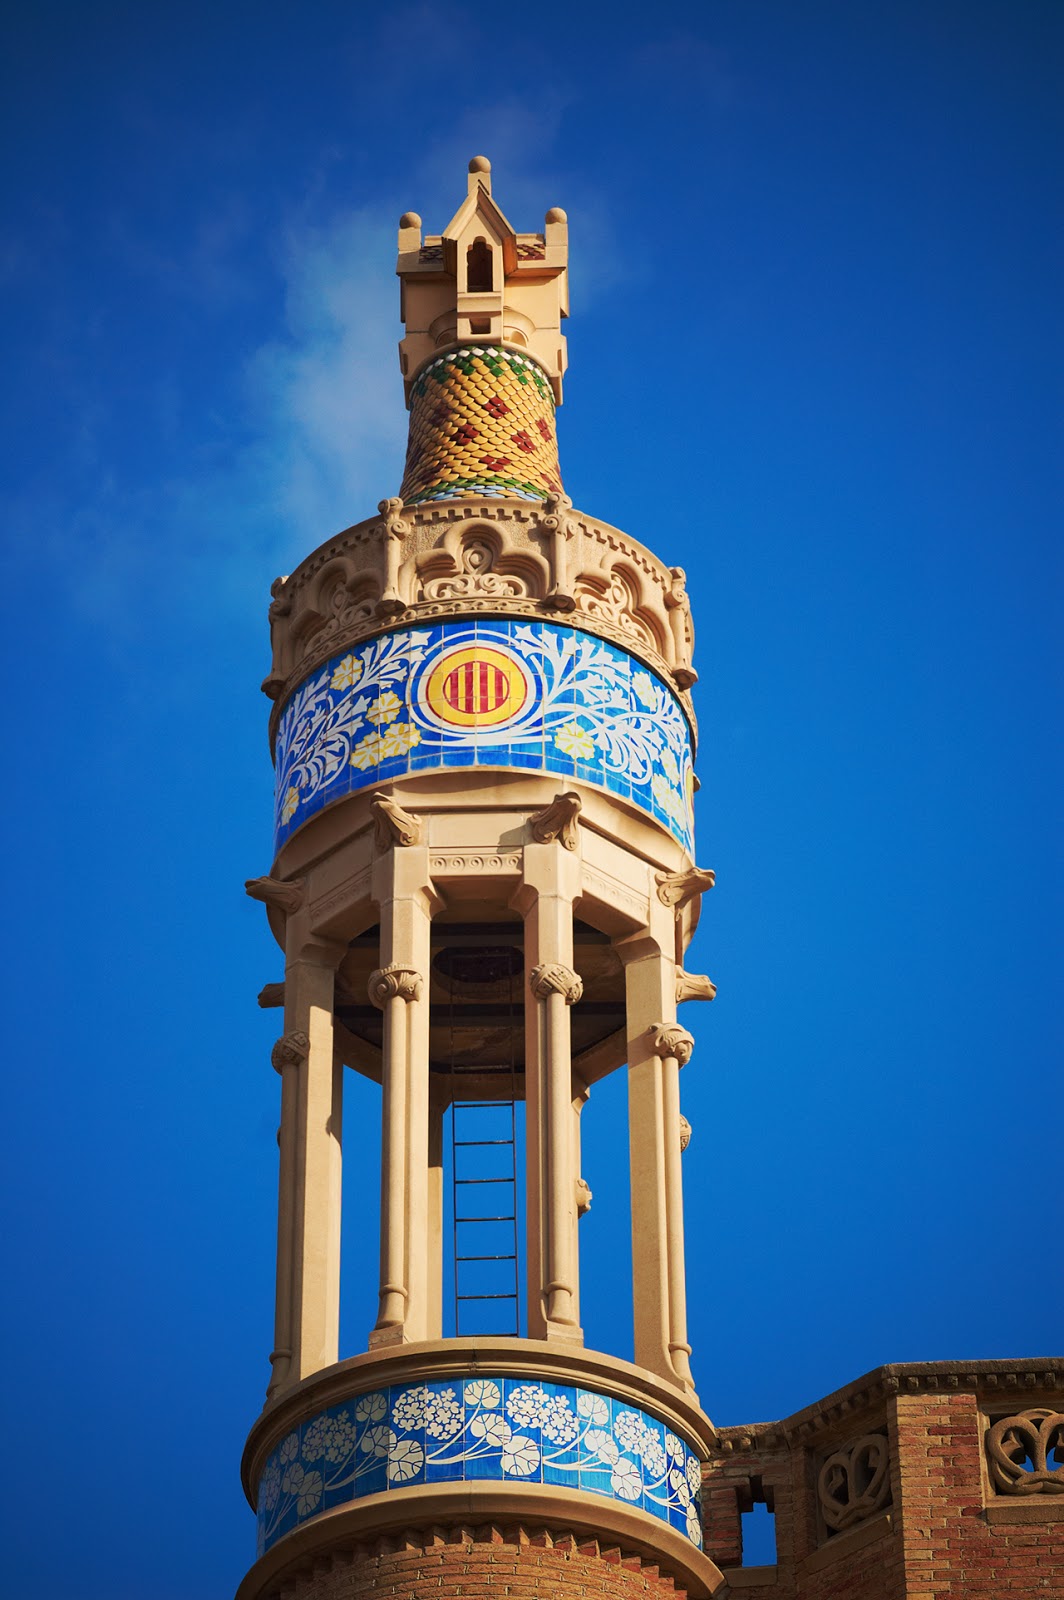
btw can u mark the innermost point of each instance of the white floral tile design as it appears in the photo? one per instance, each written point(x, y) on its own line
point(486, 1428)
point(534, 695)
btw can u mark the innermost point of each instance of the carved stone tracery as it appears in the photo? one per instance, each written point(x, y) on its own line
point(854, 1483)
point(1019, 1450)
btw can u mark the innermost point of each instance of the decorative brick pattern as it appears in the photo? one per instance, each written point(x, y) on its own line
point(481, 423)
point(480, 1564)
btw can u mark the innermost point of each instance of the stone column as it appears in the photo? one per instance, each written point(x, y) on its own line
point(403, 890)
point(307, 1312)
point(657, 1048)
point(550, 885)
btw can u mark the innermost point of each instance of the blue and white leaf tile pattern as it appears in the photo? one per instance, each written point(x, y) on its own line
point(537, 695)
point(487, 1428)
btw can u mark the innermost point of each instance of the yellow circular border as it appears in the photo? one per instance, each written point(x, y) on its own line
point(480, 654)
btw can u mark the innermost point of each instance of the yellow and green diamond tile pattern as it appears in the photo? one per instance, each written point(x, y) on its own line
point(481, 423)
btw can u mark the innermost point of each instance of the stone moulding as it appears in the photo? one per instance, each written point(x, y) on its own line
point(484, 557)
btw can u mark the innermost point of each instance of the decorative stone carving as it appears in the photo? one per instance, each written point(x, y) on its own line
point(561, 529)
point(677, 888)
point(475, 576)
point(679, 609)
point(615, 602)
point(854, 1483)
point(391, 983)
point(289, 1051)
point(552, 978)
point(583, 1197)
point(672, 1042)
point(275, 894)
point(1028, 1437)
point(558, 821)
point(392, 825)
point(271, 995)
point(393, 528)
point(692, 986)
point(685, 1132)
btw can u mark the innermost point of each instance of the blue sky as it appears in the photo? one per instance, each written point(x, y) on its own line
point(815, 354)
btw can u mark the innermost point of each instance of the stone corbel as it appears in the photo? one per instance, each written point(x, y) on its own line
point(679, 609)
point(561, 528)
point(583, 1197)
point(677, 888)
point(692, 986)
point(558, 821)
point(271, 995)
point(392, 825)
point(393, 529)
point(289, 1051)
point(671, 1043)
point(394, 983)
point(553, 978)
point(275, 895)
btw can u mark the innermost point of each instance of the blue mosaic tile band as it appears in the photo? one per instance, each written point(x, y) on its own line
point(504, 693)
point(499, 1429)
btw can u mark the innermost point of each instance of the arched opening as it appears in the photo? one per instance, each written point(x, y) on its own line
point(480, 268)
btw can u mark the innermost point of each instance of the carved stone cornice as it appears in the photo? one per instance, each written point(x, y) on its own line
point(553, 978)
point(392, 825)
point(677, 888)
point(558, 821)
point(274, 894)
point(289, 1051)
point(692, 986)
point(671, 1042)
point(392, 983)
point(413, 565)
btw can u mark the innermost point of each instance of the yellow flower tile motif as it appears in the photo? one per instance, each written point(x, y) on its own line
point(385, 708)
point(643, 685)
point(290, 804)
point(347, 673)
point(367, 752)
point(574, 740)
point(398, 739)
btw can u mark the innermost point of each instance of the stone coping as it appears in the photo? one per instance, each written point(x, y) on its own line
point(441, 1359)
point(995, 1379)
point(477, 1504)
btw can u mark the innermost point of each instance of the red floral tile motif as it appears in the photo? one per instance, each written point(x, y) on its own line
point(466, 431)
point(495, 463)
point(441, 416)
point(523, 442)
point(496, 407)
point(544, 428)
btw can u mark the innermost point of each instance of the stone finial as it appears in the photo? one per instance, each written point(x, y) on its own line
point(558, 821)
point(677, 888)
point(685, 1132)
point(392, 825)
point(553, 978)
point(289, 1051)
point(693, 986)
point(276, 895)
point(671, 1042)
point(392, 983)
point(583, 1197)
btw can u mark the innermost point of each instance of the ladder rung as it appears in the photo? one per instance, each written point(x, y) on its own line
point(485, 1258)
point(485, 1180)
point(485, 1219)
point(467, 1144)
point(486, 1297)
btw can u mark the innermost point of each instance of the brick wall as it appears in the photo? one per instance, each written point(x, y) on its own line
point(480, 1564)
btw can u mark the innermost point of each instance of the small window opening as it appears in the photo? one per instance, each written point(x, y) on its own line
point(758, 1524)
point(480, 324)
point(480, 269)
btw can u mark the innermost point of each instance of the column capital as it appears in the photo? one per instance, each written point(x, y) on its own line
point(551, 977)
point(290, 1050)
point(395, 982)
point(671, 1043)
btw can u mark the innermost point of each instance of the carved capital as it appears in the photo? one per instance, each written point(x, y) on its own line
point(677, 888)
point(854, 1483)
point(276, 895)
point(390, 983)
point(583, 1197)
point(671, 1043)
point(690, 986)
point(289, 1051)
point(558, 821)
point(685, 1132)
point(1032, 1437)
point(393, 524)
point(392, 825)
point(552, 978)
